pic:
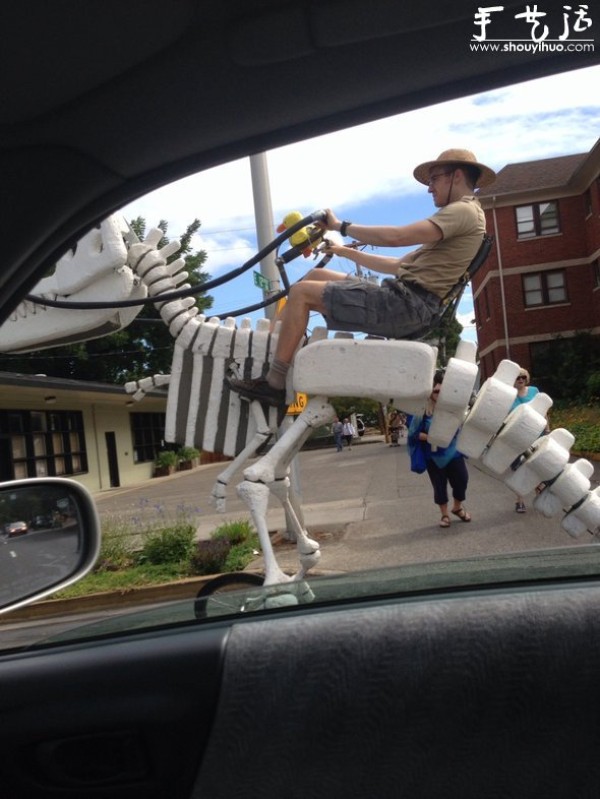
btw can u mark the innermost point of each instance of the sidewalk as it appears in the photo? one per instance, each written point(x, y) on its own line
point(365, 507)
point(189, 492)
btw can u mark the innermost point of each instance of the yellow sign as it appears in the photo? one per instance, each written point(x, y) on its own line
point(298, 405)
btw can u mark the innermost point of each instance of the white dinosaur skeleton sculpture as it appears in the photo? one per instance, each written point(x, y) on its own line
point(201, 411)
point(95, 270)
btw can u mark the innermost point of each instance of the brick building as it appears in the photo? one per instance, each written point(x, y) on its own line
point(539, 291)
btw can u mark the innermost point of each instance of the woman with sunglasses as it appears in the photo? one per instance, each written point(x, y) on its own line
point(525, 393)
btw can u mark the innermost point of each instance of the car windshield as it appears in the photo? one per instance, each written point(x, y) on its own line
point(360, 518)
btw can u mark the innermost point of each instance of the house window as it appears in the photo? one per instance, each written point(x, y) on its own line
point(544, 288)
point(45, 444)
point(539, 219)
point(587, 201)
point(596, 266)
point(148, 433)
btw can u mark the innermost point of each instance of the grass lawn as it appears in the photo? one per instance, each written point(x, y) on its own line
point(583, 421)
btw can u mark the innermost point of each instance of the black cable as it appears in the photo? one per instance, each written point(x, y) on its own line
point(316, 216)
point(280, 294)
point(249, 308)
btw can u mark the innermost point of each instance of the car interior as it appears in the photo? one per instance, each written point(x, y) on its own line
point(481, 682)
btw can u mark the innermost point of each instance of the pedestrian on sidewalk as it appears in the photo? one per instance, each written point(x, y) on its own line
point(443, 464)
point(337, 428)
point(348, 432)
point(396, 427)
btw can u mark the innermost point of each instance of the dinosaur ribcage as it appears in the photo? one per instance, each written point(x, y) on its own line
point(201, 410)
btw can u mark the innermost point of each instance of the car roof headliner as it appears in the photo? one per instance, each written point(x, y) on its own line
point(104, 101)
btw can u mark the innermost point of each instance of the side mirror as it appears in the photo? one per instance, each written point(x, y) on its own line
point(49, 538)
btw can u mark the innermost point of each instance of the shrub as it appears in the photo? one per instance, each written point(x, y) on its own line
point(235, 532)
point(209, 557)
point(230, 548)
point(166, 459)
point(241, 555)
point(116, 549)
point(593, 386)
point(244, 543)
point(188, 453)
point(169, 545)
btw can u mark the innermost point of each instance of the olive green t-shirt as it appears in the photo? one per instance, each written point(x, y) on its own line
point(439, 265)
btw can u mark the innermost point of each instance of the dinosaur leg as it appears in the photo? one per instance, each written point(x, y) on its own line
point(256, 496)
point(263, 432)
point(308, 549)
point(317, 412)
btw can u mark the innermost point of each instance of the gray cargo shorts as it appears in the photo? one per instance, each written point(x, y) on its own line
point(392, 310)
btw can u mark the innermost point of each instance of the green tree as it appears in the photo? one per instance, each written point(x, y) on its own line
point(143, 348)
point(445, 337)
point(344, 406)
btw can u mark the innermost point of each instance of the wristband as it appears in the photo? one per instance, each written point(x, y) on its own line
point(344, 227)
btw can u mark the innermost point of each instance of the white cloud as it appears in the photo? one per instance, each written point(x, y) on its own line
point(537, 119)
point(371, 165)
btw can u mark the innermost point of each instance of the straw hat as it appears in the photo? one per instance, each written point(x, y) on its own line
point(456, 157)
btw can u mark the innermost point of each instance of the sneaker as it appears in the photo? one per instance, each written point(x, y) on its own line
point(520, 507)
point(258, 389)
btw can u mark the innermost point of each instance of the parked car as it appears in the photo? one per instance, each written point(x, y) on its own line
point(14, 529)
point(423, 681)
point(360, 425)
point(43, 521)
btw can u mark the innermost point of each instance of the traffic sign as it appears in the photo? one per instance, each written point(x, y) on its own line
point(261, 281)
point(298, 405)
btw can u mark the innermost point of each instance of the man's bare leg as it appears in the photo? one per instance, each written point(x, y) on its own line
point(314, 275)
point(304, 297)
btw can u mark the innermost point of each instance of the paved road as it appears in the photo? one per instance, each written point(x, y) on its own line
point(365, 506)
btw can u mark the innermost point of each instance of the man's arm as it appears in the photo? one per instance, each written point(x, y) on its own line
point(386, 264)
point(423, 232)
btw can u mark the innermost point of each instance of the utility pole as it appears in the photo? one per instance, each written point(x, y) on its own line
point(263, 214)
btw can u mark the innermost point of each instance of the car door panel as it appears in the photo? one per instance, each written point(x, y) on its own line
point(479, 694)
point(127, 717)
point(490, 695)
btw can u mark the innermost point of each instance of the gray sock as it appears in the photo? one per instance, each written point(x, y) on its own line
point(277, 374)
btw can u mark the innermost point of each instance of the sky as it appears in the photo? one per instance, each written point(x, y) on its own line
point(364, 173)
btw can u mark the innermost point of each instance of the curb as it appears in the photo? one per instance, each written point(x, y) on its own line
point(184, 589)
point(166, 592)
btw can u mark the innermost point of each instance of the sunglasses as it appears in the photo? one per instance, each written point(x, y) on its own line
point(521, 377)
point(433, 178)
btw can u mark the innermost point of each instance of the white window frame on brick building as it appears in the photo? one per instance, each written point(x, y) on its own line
point(545, 288)
point(537, 219)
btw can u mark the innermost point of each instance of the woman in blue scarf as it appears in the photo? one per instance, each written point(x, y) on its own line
point(443, 464)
